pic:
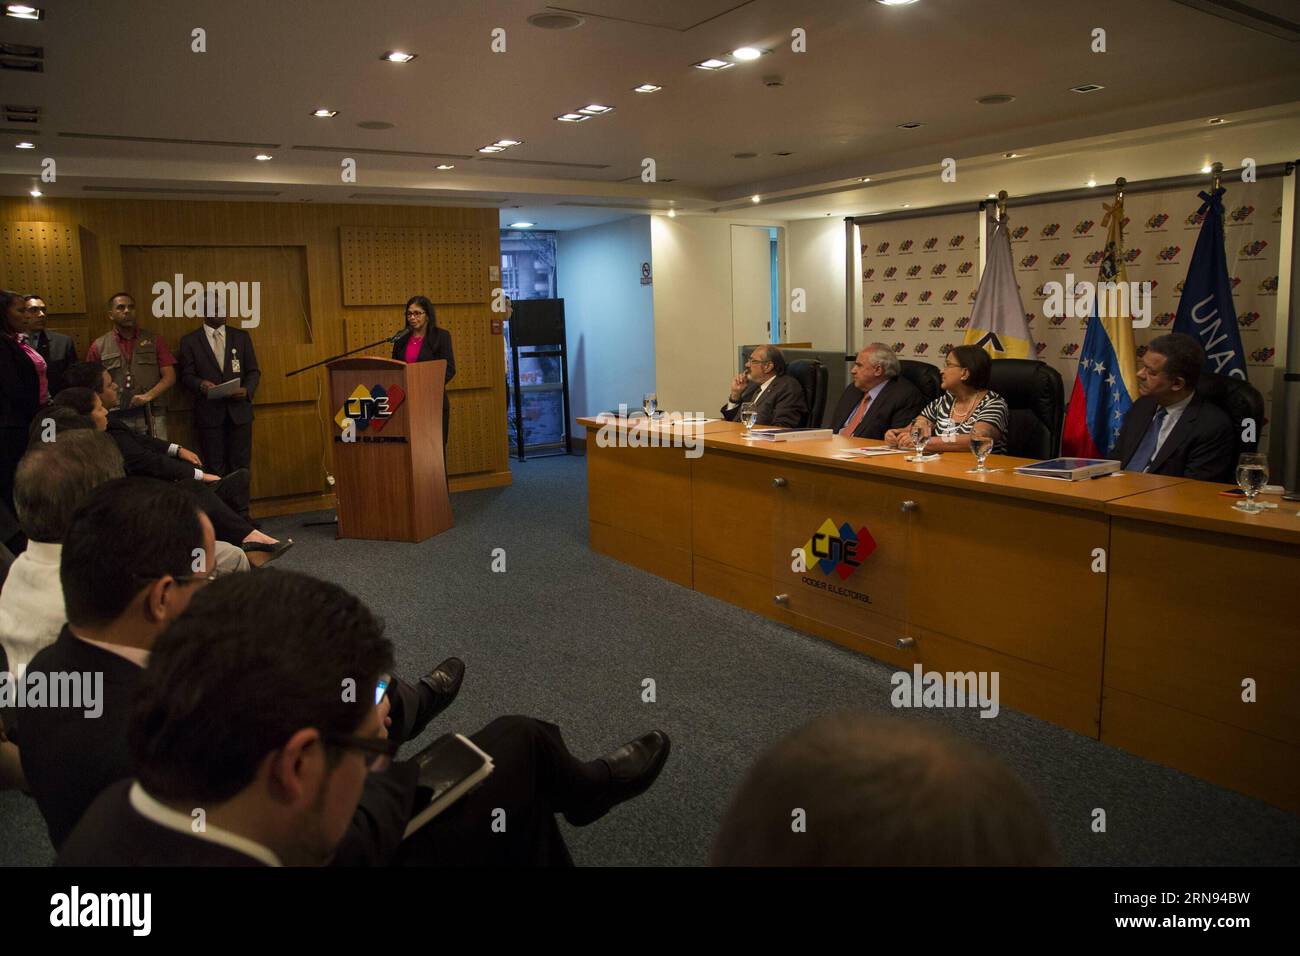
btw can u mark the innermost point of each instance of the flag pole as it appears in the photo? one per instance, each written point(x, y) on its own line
point(1120, 183)
point(1217, 171)
point(1002, 204)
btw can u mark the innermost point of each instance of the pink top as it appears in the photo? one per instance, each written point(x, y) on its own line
point(39, 362)
point(413, 348)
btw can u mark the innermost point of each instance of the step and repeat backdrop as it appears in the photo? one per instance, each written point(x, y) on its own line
point(919, 276)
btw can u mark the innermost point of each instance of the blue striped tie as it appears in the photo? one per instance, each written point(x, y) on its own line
point(1141, 459)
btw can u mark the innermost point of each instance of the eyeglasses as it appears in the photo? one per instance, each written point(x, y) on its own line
point(411, 315)
point(380, 748)
point(207, 578)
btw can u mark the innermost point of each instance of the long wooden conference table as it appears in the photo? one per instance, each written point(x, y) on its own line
point(1137, 609)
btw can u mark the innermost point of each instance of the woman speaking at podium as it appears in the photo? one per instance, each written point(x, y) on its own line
point(423, 341)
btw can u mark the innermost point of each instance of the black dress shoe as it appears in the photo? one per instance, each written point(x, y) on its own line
point(438, 689)
point(276, 550)
point(632, 769)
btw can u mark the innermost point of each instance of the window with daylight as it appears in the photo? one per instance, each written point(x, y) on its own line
point(528, 272)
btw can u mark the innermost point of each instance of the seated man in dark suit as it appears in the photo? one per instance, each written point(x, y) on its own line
point(129, 565)
point(881, 791)
point(780, 399)
point(877, 399)
point(277, 756)
point(1170, 430)
point(58, 350)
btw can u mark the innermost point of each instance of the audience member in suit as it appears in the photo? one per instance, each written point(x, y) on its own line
point(279, 783)
point(1170, 430)
point(127, 571)
point(210, 355)
point(58, 350)
point(23, 389)
point(780, 399)
point(423, 341)
point(53, 479)
point(221, 498)
point(967, 406)
point(881, 791)
point(877, 399)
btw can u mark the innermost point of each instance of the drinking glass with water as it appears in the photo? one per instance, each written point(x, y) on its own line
point(1252, 476)
point(980, 446)
point(748, 415)
point(650, 404)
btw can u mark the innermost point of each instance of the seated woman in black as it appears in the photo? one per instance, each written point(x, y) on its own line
point(966, 406)
point(423, 341)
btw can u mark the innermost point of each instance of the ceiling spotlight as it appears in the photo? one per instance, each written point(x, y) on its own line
point(445, 166)
point(491, 149)
point(865, 179)
point(573, 118)
point(324, 114)
point(713, 63)
point(646, 88)
point(24, 145)
point(595, 109)
point(995, 99)
point(503, 143)
point(23, 11)
point(36, 194)
point(993, 195)
point(910, 125)
point(262, 157)
point(746, 53)
point(1011, 155)
point(1087, 88)
point(895, 3)
point(397, 56)
point(1091, 183)
point(521, 225)
point(906, 205)
point(672, 213)
point(754, 198)
point(1217, 120)
point(1207, 168)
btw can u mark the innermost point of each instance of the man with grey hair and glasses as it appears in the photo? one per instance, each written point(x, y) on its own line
point(877, 399)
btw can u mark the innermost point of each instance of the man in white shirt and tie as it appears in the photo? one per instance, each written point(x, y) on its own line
point(213, 354)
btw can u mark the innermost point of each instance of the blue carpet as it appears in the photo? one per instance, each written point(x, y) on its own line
point(568, 635)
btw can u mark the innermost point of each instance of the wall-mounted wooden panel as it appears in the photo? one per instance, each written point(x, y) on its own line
point(44, 258)
point(381, 265)
point(305, 318)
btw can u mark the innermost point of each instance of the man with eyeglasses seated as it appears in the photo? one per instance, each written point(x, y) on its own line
point(778, 398)
point(248, 717)
point(134, 556)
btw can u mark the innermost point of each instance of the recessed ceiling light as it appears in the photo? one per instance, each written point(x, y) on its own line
point(995, 99)
point(895, 3)
point(744, 155)
point(755, 198)
point(1091, 183)
point(906, 205)
point(672, 213)
point(746, 53)
point(1207, 168)
point(646, 88)
point(785, 152)
point(397, 56)
point(1217, 120)
point(595, 109)
point(1087, 88)
point(521, 225)
point(23, 11)
point(324, 114)
point(865, 179)
point(713, 63)
point(573, 118)
point(36, 193)
point(993, 195)
point(910, 125)
point(1011, 155)
point(445, 166)
point(507, 142)
point(262, 157)
point(556, 21)
point(491, 149)
point(24, 145)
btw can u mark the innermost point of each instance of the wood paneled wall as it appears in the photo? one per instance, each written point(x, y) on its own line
point(295, 251)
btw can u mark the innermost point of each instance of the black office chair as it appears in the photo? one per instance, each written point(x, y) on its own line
point(1035, 395)
point(923, 375)
point(1241, 401)
point(812, 376)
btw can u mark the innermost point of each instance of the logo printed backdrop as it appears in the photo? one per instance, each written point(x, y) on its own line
point(1053, 239)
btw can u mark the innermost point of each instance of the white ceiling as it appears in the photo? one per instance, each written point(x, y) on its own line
point(126, 69)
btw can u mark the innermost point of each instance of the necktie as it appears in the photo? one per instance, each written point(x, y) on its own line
point(1146, 449)
point(219, 347)
point(856, 418)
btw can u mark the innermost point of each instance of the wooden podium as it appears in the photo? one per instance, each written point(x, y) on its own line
point(390, 474)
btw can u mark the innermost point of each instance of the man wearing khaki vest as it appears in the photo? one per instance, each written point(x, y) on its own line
point(141, 365)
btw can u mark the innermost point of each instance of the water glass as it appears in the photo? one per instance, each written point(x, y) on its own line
point(650, 404)
point(748, 416)
point(1252, 476)
point(980, 446)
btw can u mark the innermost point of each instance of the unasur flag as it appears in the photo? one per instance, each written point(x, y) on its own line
point(997, 319)
point(1106, 385)
point(1206, 310)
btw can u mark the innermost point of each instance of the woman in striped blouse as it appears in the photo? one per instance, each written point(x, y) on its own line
point(966, 407)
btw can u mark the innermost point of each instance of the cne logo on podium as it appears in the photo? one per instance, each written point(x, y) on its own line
point(369, 409)
point(838, 550)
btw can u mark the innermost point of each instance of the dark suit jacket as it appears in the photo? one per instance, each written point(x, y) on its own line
point(784, 403)
point(896, 406)
point(146, 455)
point(20, 386)
point(69, 759)
point(198, 363)
point(59, 352)
point(1200, 447)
